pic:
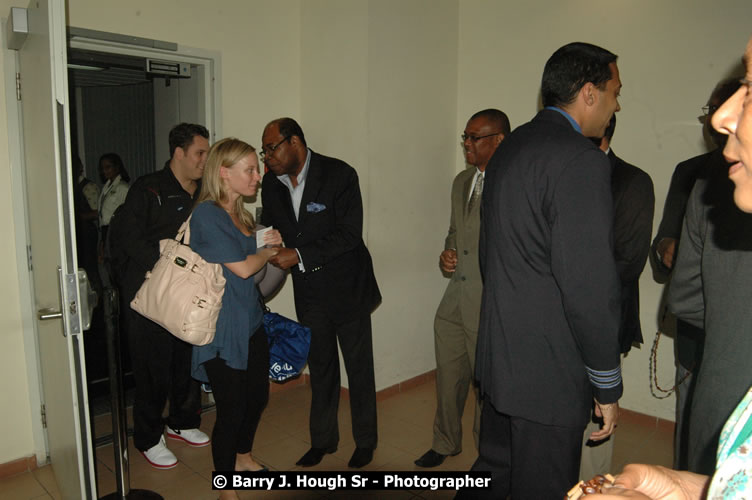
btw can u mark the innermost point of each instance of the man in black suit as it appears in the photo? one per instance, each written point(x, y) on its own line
point(314, 201)
point(548, 340)
point(634, 203)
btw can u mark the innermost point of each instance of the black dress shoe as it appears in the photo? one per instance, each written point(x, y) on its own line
point(360, 458)
point(314, 456)
point(431, 459)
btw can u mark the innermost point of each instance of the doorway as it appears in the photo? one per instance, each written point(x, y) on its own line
point(124, 100)
point(39, 139)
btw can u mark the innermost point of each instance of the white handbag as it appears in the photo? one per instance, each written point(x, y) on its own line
point(182, 293)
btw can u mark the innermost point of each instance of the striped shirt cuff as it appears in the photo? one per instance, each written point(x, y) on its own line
point(607, 379)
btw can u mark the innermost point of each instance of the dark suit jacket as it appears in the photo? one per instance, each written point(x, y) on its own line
point(551, 298)
point(338, 273)
point(689, 338)
point(710, 288)
point(634, 203)
point(682, 181)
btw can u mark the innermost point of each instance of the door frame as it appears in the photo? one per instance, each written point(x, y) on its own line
point(211, 60)
point(101, 42)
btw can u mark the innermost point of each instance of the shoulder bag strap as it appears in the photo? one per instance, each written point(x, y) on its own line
point(184, 233)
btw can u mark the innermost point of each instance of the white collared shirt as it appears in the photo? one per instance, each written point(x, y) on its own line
point(296, 195)
point(296, 192)
point(113, 195)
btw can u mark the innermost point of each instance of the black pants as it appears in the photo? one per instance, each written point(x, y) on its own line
point(161, 370)
point(526, 459)
point(241, 396)
point(323, 361)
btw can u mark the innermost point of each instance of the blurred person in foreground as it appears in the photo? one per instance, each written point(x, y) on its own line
point(690, 338)
point(733, 466)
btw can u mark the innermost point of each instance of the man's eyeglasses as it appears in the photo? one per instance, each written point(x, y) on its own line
point(476, 138)
point(269, 150)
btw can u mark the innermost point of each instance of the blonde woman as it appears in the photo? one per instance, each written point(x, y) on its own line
point(236, 363)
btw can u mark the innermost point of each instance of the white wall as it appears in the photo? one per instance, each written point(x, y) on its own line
point(388, 85)
point(379, 91)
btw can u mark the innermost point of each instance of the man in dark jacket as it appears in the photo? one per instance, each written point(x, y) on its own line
point(548, 340)
point(156, 206)
point(314, 201)
point(634, 203)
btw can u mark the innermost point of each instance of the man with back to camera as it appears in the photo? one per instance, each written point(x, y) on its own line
point(314, 201)
point(156, 206)
point(548, 339)
point(634, 203)
point(456, 322)
point(689, 338)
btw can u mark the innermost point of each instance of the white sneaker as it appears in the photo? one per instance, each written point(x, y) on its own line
point(194, 437)
point(160, 456)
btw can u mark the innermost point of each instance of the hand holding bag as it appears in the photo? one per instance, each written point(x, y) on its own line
point(182, 293)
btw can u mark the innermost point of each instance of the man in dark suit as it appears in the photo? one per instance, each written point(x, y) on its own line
point(456, 323)
point(634, 203)
point(314, 201)
point(690, 339)
point(548, 339)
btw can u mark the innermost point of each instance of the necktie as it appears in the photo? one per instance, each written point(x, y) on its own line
point(477, 191)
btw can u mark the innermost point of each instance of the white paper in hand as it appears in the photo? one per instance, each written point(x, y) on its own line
point(260, 236)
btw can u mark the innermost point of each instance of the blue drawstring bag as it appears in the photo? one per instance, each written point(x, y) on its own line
point(289, 342)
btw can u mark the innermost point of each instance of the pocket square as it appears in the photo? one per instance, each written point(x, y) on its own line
point(314, 207)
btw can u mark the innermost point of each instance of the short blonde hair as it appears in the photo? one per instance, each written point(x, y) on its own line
point(224, 153)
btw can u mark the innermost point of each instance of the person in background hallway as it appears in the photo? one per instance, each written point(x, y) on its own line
point(156, 206)
point(634, 203)
point(456, 322)
point(689, 338)
point(85, 194)
point(731, 479)
point(236, 362)
point(115, 178)
point(548, 341)
point(314, 201)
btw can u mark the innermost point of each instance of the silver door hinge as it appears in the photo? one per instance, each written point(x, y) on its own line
point(18, 86)
point(44, 417)
point(28, 257)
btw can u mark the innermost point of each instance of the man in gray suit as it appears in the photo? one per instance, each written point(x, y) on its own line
point(456, 323)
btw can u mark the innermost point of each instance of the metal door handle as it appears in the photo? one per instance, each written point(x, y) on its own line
point(49, 313)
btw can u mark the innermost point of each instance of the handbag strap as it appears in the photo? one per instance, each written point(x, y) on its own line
point(184, 233)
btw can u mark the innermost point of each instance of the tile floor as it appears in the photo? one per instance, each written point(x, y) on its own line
point(405, 423)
